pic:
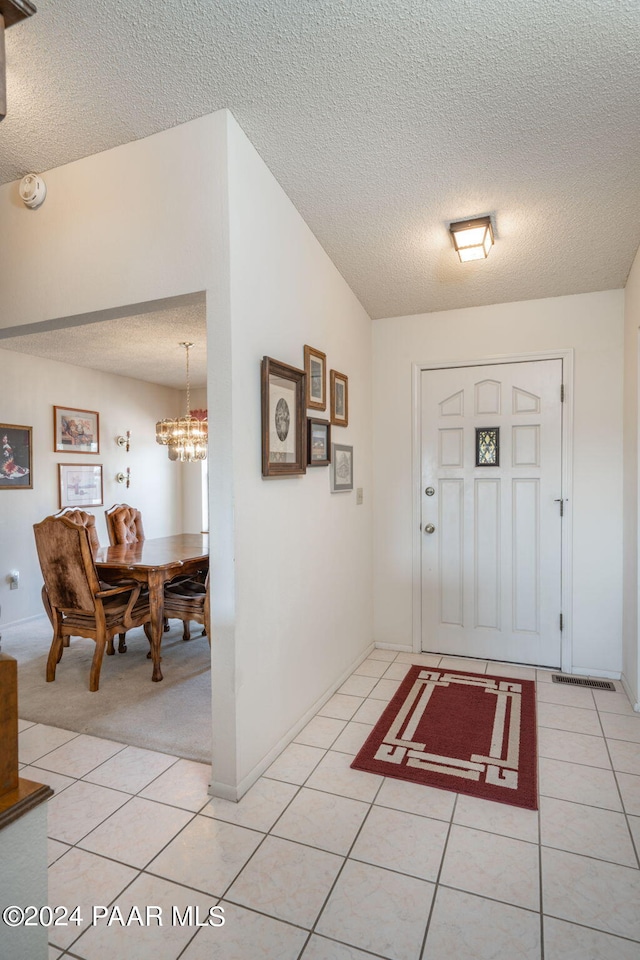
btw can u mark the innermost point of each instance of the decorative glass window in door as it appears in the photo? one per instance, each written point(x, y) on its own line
point(487, 446)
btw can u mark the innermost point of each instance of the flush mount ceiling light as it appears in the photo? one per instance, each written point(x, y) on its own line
point(472, 239)
point(11, 11)
point(186, 437)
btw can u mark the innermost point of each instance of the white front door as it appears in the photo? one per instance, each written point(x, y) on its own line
point(491, 449)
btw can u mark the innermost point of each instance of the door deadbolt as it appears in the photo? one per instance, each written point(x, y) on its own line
point(429, 528)
point(430, 491)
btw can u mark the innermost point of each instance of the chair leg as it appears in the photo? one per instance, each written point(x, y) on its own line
point(110, 647)
point(166, 625)
point(55, 655)
point(186, 632)
point(49, 612)
point(96, 664)
point(122, 647)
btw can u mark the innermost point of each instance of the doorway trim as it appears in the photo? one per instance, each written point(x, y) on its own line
point(566, 548)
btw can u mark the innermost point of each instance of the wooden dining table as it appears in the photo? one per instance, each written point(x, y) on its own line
point(154, 562)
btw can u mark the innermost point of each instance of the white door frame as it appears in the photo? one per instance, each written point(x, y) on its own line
point(567, 357)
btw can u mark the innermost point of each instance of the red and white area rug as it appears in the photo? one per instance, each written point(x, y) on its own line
point(472, 733)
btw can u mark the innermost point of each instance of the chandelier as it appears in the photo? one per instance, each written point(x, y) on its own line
point(186, 437)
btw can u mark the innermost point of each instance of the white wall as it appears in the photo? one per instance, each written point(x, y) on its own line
point(303, 555)
point(192, 488)
point(592, 324)
point(631, 658)
point(122, 227)
point(31, 387)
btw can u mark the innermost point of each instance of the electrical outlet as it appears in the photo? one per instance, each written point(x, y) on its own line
point(359, 496)
point(14, 580)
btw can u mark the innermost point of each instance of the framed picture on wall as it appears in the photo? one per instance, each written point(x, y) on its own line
point(80, 484)
point(318, 442)
point(16, 469)
point(341, 468)
point(315, 367)
point(284, 442)
point(75, 431)
point(339, 388)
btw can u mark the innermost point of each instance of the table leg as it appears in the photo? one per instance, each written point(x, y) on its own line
point(156, 602)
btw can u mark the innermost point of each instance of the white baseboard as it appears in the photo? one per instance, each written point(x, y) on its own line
point(590, 672)
point(630, 693)
point(226, 792)
point(222, 791)
point(400, 647)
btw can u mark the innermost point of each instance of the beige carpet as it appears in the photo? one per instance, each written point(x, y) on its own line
point(173, 716)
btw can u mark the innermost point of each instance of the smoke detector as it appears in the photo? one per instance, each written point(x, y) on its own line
point(32, 190)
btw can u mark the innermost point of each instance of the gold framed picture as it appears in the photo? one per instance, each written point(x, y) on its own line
point(315, 367)
point(80, 484)
point(339, 387)
point(16, 470)
point(76, 431)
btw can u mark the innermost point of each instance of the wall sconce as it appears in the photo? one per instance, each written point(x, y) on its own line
point(124, 477)
point(472, 239)
point(124, 441)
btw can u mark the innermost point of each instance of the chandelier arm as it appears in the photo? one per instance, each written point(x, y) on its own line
point(187, 345)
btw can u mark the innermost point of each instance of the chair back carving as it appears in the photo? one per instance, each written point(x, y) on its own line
point(66, 560)
point(124, 524)
point(86, 519)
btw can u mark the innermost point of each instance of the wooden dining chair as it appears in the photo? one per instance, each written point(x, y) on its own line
point(80, 604)
point(188, 600)
point(124, 524)
point(87, 520)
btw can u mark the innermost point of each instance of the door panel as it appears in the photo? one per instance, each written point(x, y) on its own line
point(451, 550)
point(487, 554)
point(491, 577)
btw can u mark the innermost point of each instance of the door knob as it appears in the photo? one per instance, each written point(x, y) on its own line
point(429, 528)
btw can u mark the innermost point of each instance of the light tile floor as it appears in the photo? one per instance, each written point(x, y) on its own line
point(321, 862)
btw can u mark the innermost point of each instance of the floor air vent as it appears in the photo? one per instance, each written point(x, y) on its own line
point(583, 682)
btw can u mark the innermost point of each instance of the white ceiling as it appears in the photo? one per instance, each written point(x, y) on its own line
point(382, 119)
point(144, 346)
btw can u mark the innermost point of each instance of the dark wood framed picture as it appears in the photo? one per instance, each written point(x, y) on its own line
point(284, 442)
point(339, 388)
point(341, 468)
point(315, 367)
point(80, 484)
point(16, 466)
point(75, 431)
point(318, 442)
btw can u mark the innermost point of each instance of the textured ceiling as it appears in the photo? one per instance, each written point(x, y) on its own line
point(144, 346)
point(382, 119)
